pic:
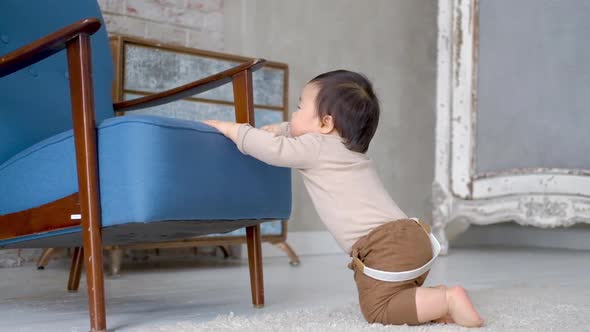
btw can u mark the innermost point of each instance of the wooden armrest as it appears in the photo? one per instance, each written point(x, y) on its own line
point(188, 89)
point(46, 46)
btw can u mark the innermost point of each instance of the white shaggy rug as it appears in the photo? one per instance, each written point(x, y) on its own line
point(513, 309)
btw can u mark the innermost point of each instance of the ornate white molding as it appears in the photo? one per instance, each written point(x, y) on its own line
point(442, 202)
point(539, 210)
point(463, 97)
point(532, 182)
point(536, 197)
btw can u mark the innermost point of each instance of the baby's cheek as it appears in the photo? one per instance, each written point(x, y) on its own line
point(295, 130)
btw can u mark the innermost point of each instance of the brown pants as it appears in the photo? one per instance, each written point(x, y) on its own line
point(396, 246)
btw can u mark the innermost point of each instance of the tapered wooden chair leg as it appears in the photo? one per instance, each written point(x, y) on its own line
point(293, 258)
point(116, 258)
point(225, 249)
point(45, 257)
point(255, 262)
point(95, 281)
point(81, 92)
point(75, 269)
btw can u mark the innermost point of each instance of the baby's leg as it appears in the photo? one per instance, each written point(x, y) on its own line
point(433, 304)
point(445, 319)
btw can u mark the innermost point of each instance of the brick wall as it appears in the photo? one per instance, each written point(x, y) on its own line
point(191, 23)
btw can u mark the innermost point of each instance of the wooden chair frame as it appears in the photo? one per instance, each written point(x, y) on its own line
point(118, 45)
point(57, 215)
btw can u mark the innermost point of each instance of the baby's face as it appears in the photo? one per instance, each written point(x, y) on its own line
point(306, 120)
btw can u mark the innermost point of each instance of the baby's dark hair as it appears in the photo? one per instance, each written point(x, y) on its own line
point(349, 98)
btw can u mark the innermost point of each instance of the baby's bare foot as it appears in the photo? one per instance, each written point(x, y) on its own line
point(444, 320)
point(461, 309)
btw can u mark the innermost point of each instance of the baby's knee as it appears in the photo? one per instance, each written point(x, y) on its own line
point(399, 309)
point(372, 314)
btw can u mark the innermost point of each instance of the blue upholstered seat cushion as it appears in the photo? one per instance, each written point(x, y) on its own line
point(152, 169)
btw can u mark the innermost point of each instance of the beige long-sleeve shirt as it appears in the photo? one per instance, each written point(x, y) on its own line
point(343, 185)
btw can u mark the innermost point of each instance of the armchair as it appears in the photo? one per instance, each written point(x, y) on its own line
point(72, 174)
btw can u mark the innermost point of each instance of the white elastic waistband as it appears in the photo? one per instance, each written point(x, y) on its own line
point(402, 275)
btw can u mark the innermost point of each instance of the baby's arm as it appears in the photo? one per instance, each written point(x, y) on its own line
point(279, 129)
point(300, 152)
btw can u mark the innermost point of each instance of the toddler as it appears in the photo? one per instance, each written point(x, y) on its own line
point(326, 141)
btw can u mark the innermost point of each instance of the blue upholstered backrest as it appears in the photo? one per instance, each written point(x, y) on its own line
point(35, 102)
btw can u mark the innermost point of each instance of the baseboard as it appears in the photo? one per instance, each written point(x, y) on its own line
point(304, 244)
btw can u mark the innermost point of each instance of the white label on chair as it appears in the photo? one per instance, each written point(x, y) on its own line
point(76, 216)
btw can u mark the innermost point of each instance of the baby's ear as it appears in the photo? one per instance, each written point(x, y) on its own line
point(327, 124)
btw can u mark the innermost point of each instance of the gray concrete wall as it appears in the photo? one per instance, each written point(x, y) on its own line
point(393, 42)
point(545, 96)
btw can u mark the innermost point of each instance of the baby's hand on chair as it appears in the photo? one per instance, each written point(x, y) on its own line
point(219, 125)
point(229, 129)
